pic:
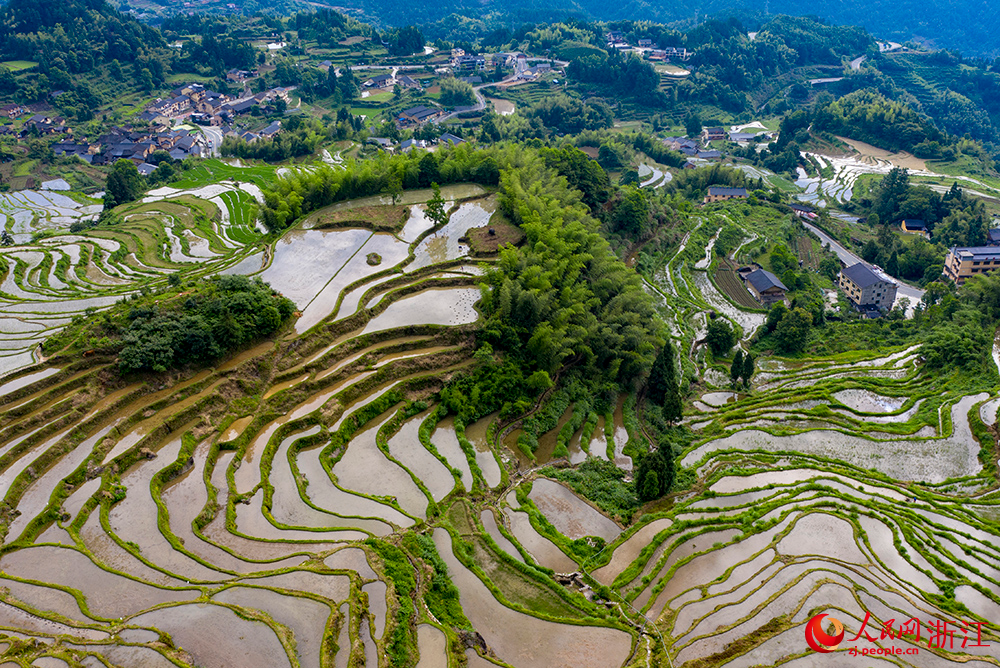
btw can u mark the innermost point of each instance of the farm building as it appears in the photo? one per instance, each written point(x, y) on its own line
point(765, 287)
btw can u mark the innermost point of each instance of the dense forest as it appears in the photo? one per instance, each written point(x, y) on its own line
point(156, 332)
point(961, 24)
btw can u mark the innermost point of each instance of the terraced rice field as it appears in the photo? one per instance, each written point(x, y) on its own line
point(849, 487)
point(259, 512)
point(306, 502)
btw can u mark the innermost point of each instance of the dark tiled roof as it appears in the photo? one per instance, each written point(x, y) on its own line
point(719, 191)
point(762, 280)
point(862, 275)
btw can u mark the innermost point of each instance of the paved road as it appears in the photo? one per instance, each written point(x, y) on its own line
point(849, 258)
point(856, 63)
point(214, 135)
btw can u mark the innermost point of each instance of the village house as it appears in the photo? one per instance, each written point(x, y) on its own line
point(803, 211)
point(867, 288)
point(383, 143)
point(765, 287)
point(408, 145)
point(381, 82)
point(418, 115)
point(240, 75)
point(713, 134)
point(915, 226)
point(993, 237)
point(962, 263)
point(448, 138)
point(469, 63)
point(721, 194)
point(615, 37)
point(12, 110)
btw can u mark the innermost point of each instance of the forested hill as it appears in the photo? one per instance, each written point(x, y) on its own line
point(79, 33)
point(970, 26)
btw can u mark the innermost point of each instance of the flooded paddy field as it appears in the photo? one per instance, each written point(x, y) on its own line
point(259, 512)
point(838, 486)
point(295, 504)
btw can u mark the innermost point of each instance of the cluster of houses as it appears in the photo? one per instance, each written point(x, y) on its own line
point(870, 290)
point(416, 116)
point(692, 149)
point(42, 125)
point(388, 82)
point(207, 107)
point(121, 144)
point(407, 145)
point(616, 40)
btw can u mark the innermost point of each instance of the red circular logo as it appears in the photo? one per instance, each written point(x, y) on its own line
point(818, 639)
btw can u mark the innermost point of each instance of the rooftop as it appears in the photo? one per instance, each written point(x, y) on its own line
point(976, 252)
point(864, 275)
point(720, 191)
point(761, 280)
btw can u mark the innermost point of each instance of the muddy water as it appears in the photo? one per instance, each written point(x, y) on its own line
point(36, 497)
point(305, 617)
point(259, 549)
point(320, 399)
point(342, 659)
point(371, 649)
point(406, 447)
point(108, 595)
point(250, 520)
point(621, 437)
point(542, 549)
point(476, 434)
point(376, 606)
point(865, 401)
point(74, 502)
point(135, 519)
point(305, 260)
point(13, 616)
point(433, 647)
point(444, 306)
point(274, 389)
point(46, 599)
point(489, 521)
point(248, 474)
point(25, 460)
point(525, 641)
point(931, 460)
point(323, 304)
point(394, 357)
point(444, 243)
point(236, 428)
point(216, 637)
point(324, 494)
point(288, 507)
point(351, 558)
point(185, 496)
point(628, 551)
point(570, 515)
point(27, 379)
point(598, 446)
point(547, 441)
point(446, 442)
point(364, 468)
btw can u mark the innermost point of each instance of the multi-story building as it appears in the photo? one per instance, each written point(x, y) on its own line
point(963, 263)
point(867, 287)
